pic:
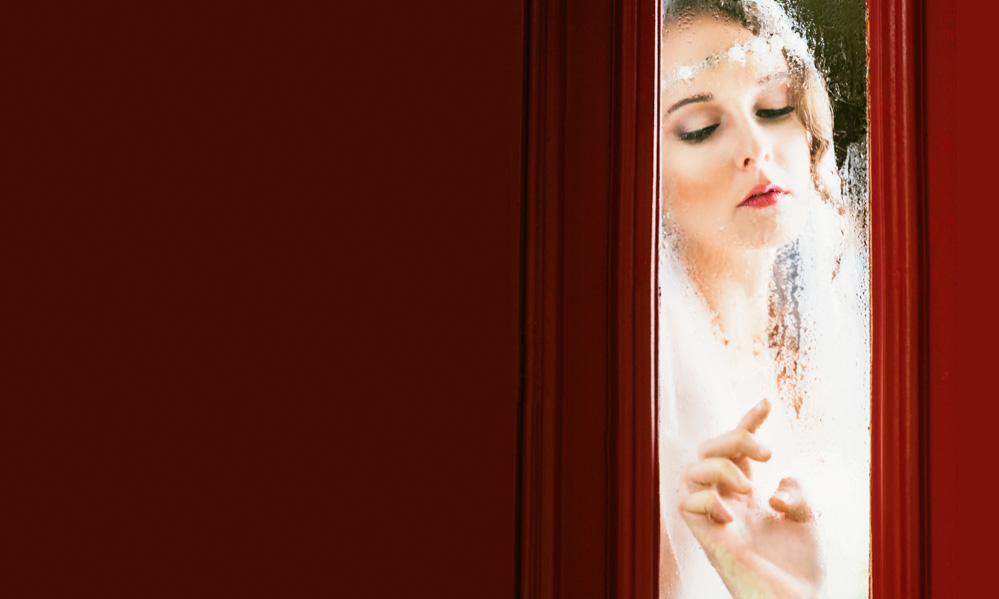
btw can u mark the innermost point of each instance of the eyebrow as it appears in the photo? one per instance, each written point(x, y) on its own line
point(690, 100)
point(707, 97)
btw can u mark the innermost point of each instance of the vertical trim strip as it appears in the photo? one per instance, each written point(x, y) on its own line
point(899, 505)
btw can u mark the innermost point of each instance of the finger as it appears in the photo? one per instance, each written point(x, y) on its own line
point(735, 443)
point(755, 417)
point(707, 503)
point(718, 471)
point(789, 500)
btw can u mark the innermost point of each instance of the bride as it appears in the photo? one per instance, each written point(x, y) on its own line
point(765, 355)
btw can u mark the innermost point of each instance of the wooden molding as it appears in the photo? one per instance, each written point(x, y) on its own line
point(898, 492)
point(634, 306)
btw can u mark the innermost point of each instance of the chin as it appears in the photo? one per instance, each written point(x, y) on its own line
point(773, 230)
point(770, 236)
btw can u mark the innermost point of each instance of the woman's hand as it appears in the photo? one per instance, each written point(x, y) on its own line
point(760, 551)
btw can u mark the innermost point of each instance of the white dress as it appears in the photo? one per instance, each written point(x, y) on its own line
point(706, 387)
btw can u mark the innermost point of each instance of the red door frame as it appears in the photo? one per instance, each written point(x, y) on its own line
point(899, 425)
point(588, 524)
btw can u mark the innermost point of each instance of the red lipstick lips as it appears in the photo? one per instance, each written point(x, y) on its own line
point(762, 196)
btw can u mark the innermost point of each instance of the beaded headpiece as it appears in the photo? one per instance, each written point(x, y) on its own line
point(737, 53)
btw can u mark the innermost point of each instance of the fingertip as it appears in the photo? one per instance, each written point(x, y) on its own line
point(763, 408)
point(756, 415)
point(721, 514)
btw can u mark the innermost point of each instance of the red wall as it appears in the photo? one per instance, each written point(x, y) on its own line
point(267, 307)
point(429, 176)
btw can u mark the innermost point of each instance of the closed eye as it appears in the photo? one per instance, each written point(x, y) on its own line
point(774, 113)
point(698, 135)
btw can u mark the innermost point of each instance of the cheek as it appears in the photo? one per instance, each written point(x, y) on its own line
point(796, 159)
point(690, 181)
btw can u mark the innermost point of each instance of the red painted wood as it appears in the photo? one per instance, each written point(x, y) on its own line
point(633, 299)
point(940, 110)
point(564, 493)
point(539, 498)
point(635, 169)
point(899, 503)
point(973, 406)
point(588, 501)
point(262, 292)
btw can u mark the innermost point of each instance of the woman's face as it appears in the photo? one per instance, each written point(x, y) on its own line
point(736, 169)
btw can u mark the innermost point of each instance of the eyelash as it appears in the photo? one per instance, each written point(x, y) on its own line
point(767, 114)
point(697, 136)
point(774, 113)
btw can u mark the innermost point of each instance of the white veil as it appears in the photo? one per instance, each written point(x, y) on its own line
point(821, 284)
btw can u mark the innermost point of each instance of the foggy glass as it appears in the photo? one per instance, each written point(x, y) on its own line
point(764, 340)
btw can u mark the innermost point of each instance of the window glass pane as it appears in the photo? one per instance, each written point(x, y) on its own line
point(765, 381)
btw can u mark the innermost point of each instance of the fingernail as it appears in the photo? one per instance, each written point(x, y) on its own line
point(782, 496)
point(763, 403)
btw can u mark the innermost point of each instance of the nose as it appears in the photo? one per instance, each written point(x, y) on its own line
point(752, 147)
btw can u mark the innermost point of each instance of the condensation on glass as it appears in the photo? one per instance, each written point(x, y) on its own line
point(765, 344)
